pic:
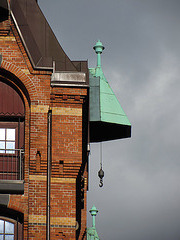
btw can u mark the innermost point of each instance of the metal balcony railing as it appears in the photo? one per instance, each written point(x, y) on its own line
point(11, 164)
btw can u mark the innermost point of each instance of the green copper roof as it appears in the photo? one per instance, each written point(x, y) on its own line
point(105, 110)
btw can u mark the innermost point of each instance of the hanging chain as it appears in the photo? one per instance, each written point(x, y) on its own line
point(100, 155)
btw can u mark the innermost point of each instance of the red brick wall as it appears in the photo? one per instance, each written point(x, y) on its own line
point(69, 155)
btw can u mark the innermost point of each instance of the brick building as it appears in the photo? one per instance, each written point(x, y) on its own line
point(44, 129)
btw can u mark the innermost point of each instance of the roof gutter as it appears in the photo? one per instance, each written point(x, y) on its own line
point(69, 79)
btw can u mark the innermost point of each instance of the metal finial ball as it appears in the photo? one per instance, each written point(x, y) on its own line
point(98, 47)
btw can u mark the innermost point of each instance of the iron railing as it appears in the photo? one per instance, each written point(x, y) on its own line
point(11, 164)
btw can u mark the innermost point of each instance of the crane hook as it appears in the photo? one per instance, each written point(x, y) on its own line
point(101, 175)
point(101, 183)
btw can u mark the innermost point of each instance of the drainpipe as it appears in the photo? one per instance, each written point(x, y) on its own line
point(49, 156)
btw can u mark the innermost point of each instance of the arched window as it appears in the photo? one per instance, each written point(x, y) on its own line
point(7, 230)
point(10, 229)
point(12, 115)
point(11, 224)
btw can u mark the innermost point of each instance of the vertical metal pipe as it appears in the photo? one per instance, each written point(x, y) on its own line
point(20, 163)
point(49, 149)
point(17, 230)
point(18, 152)
point(98, 59)
point(18, 133)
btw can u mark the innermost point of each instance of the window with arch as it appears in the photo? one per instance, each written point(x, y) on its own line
point(7, 230)
point(11, 225)
point(12, 117)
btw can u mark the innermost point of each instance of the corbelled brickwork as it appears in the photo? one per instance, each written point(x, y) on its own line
point(69, 108)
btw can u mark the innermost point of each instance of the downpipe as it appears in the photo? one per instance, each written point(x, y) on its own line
point(49, 157)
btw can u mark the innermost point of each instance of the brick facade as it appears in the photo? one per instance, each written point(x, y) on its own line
point(69, 106)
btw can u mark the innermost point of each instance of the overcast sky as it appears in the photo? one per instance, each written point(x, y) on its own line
point(140, 199)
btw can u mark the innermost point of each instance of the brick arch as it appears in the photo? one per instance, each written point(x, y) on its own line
point(22, 77)
point(17, 203)
point(11, 213)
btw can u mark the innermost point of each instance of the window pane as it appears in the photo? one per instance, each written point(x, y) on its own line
point(1, 237)
point(1, 226)
point(2, 133)
point(10, 145)
point(9, 237)
point(9, 227)
point(2, 146)
point(10, 134)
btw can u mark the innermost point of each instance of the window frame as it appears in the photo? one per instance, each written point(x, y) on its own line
point(5, 219)
point(6, 141)
point(8, 158)
point(9, 125)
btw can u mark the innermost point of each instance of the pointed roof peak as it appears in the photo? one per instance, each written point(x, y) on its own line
point(99, 49)
point(91, 231)
point(108, 120)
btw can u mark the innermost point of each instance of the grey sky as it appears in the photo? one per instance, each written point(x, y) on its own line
point(140, 199)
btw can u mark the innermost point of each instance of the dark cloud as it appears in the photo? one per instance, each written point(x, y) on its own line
point(141, 193)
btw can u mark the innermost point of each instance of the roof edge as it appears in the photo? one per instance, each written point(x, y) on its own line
point(25, 45)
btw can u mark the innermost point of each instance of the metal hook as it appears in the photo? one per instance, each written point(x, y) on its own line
point(101, 183)
point(101, 175)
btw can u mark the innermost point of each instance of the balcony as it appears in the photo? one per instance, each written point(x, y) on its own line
point(11, 171)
